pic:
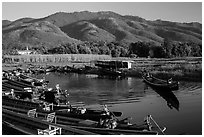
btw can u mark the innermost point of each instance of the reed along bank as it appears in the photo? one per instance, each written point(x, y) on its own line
point(187, 69)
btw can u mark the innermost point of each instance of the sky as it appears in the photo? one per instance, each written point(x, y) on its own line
point(169, 11)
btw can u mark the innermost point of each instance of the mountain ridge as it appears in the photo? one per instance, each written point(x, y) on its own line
point(105, 26)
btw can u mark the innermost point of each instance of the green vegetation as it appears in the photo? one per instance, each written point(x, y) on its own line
point(168, 49)
point(188, 69)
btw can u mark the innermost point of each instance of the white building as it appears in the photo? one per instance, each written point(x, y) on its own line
point(25, 52)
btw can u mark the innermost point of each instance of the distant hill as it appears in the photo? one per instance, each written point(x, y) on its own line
point(59, 28)
point(6, 22)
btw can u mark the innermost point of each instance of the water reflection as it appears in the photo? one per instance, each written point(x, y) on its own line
point(170, 98)
point(92, 89)
point(128, 96)
point(168, 95)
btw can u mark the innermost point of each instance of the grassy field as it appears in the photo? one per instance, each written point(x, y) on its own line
point(178, 68)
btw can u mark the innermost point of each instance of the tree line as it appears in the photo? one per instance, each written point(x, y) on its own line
point(167, 49)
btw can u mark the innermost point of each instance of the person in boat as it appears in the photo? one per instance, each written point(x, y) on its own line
point(148, 75)
point(83, 110)
point(113, 123)
point(169, 81)
point(33, 83)
point(12, 93)
point(106, 110)
point(80, 110)
point(148, 123)
point(58, 89)
point(108, 123)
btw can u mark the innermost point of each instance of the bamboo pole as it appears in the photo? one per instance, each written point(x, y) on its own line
point(158, 125)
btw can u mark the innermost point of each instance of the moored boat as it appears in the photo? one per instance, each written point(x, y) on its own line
point(87, 125)
point(34, 126)
point(65, 110)
point(160, 84)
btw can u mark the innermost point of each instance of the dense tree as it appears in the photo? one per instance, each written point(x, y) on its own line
point(104, 50)
point(95, 50)
point(157, 52)
point(83, 49)
point(123, 52)
point(167, 45)
point(141, 49)
point(137, 49)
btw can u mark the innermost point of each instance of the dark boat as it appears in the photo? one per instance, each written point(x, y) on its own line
point(111, 73)
point(60, 121)
point(65, 110)
point(17, 83)
point(50, 69)
point(160, 84)
point(31, 126)
point(30, 80)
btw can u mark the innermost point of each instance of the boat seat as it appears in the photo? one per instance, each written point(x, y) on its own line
point(52, 130)
point(50, 117)
point(32, 113)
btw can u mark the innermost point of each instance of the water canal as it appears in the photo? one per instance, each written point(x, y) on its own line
point(180, 111)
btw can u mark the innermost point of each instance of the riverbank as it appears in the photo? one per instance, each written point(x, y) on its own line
point(186, 69)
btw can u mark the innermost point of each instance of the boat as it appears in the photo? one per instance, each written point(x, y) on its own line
point(160, 84)
point(21, 79)
point(64, 110)
point(35, 126)
point(17, 83)
point(70, 123)
point(30, 80)
point(111, 73)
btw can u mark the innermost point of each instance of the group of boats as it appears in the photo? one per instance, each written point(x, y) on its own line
point(31, 107)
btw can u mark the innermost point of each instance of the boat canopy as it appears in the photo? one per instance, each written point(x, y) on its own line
point(114, 64)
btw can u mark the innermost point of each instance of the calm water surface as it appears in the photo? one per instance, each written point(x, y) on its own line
point(135, 99)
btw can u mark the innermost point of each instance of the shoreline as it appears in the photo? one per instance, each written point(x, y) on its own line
point(185, 69)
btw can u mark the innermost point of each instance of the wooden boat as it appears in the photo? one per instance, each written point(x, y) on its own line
point(50, 69)
point(84, 125)
point(160, 84)
point(17, 83)
point(74, 112)
point(29, 80)
point(110, 73)
point(9, 87)
point(31, 126)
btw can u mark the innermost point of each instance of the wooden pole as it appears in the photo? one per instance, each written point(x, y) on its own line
point(158, 125)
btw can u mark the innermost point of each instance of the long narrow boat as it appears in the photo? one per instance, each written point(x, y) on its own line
point(29, 80)
point(30, 126)
point(74, 112)
point(18, 83)
point(160, 84)
point(85, 125)
point(9, 86)
point(110, 72)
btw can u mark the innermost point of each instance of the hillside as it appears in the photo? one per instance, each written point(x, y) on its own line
point(59, 28)
point(36, 34)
